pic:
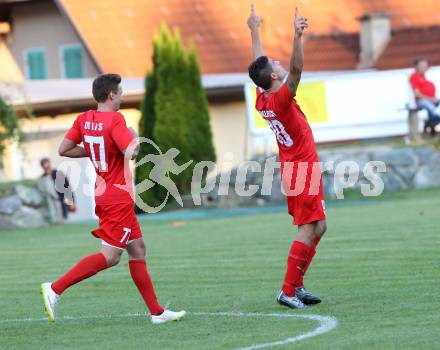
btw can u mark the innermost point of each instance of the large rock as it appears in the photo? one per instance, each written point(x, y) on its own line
point(327, 158)
point(232, 200)
point(392, 182)
point(6, 223)
point(397, 157)
point(277, 196)
point(29, 195)
point(428, 175)
point(424, 154)
point(9, 205)
point(27, 217)
point(328, 183)
point(402, 162)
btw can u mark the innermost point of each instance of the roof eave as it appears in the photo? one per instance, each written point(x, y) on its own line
point(78, 105)
point(63, 11)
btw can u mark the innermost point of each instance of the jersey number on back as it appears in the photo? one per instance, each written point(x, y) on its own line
point(280, 132)
point(99, 162)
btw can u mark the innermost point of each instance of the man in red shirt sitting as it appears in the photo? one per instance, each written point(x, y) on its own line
point(424, 91)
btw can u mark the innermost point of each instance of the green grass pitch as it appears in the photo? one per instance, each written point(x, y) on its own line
point(377, 271)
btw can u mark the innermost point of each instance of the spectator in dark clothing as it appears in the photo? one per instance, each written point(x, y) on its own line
point(67, 203)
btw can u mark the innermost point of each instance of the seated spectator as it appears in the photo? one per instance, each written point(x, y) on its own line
point(58, 203)
point(424, 91)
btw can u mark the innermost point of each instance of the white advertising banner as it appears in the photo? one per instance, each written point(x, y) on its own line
point(352, 106)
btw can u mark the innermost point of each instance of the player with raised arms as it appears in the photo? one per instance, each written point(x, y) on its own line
point(276, 90)
point(108, 143)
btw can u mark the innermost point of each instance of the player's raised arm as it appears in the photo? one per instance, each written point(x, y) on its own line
point(297, 57)
point(254, 23)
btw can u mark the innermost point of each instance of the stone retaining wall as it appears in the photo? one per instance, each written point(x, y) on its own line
point(404, 168)
point(22, 206)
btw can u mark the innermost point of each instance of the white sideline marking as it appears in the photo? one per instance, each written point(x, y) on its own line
point(326, 323)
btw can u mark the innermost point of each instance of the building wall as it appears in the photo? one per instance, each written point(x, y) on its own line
point(41, 25)
point(9, 70)
point(229, 126)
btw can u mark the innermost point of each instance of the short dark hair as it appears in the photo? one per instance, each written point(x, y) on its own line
point(260, 71)
point(418, 60)
point(104, 84)
point(44, 160)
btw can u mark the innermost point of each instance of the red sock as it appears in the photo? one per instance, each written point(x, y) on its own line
point(141, 277)
point(85, 268)
point(296, 262)
point(309, 260)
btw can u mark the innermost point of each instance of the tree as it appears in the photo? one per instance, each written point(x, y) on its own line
point(146, 127)
point(201, 145)
point(146, 124)
point(9, 125)
point(174, 111)
point(171, 105)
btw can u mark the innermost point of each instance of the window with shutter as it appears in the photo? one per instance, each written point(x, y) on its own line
point(72, 61)
point(36, 64)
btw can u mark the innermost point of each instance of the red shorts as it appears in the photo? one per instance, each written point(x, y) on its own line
point(305, 202)
point(118, 224)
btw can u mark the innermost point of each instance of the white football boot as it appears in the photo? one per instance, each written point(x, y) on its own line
point(168, 316)
point(292, 302)
point(50, 299)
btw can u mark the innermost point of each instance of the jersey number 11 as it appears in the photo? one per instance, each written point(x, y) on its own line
point(100, 161)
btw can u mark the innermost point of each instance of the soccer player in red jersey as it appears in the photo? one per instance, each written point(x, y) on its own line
point(301, 175)
point(106, 140)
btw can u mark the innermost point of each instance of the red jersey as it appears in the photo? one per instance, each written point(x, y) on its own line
point(292, 130)
point(418, 81)
point(104, 136)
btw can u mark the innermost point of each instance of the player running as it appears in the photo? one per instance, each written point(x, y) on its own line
point(106, 141)
point(275, 102)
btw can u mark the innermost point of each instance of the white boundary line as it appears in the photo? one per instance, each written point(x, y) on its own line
point(326, 323)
